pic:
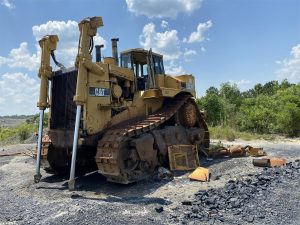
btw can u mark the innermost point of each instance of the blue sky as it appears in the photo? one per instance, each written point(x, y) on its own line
point(241, 41)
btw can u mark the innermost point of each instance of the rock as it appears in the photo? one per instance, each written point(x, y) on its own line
point(74, 196)
point(288, 170)
point(220, 218)
point(250, 219)
point(264, 178)
point(213, 208)
point(164, 173)
point(211, 200)
point(195, 209)
point(159, 209)
point(233, 199)
point(239, 198)
point(173, 215)
point(231, 186)
point(215, 177)
point(187, 213)
point(186, 202)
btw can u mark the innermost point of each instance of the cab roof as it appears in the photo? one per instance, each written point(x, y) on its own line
point(139, 51)
point(140, 54)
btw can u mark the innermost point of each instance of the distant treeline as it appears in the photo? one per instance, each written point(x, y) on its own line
point(17, 116)
point(272, 108)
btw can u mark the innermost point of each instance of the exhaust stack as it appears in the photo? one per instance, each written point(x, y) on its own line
point(114, 46)
point(98, 52)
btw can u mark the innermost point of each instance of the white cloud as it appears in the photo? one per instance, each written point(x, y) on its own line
point(172, 69)
point(166, 43)
point(189, 52)
point(164, 24)
point(3, 60)
point(242, 84)
point(21, 58)
point(19, 94)
point(67, 46)
point(290, 66)
point(68, 34)
point(198, 35)
point(203, 49)
point(7, 3)
point(162, 9)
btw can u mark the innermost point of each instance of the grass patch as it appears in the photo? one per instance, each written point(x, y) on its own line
point(230, 134)
point(18, 134)
point(223, 133)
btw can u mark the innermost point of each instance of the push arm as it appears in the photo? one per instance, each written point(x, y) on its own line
point(48, 45)
point(88, 29)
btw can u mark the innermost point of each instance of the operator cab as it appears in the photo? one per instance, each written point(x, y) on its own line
point(145, 65)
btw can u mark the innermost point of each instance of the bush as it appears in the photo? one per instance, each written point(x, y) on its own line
point(6, 133)
point(221, 132)
point(289, 120)
point(21, 133)
point(24, 131)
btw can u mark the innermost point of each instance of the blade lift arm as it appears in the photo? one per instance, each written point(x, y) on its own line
point(48, 46)
point(88, 29)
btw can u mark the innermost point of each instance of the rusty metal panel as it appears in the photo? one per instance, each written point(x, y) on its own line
point(256, 152)
point(200, 174)
point(277, 162)
point(269, 162)
point(183, 157)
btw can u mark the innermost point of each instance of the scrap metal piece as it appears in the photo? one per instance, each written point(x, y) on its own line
point(269, 162)
point(222, 152)
point(183, 157)
point(237, 151)
point(200, 174)
point(256, 152)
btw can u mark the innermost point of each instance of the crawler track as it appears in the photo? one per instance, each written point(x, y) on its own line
point(115, 144)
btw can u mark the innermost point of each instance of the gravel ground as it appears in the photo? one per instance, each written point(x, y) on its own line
point(99, 202)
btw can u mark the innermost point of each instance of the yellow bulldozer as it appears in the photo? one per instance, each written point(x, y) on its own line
point(117, 115)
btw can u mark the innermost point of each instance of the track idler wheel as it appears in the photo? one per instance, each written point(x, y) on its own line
point(187, 115)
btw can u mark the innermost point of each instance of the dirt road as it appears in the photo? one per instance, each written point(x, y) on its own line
point(99, 202)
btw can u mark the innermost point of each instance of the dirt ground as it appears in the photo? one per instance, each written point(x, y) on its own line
point(99, 202)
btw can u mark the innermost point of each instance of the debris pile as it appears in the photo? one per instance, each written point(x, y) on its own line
point(241, 199)
point(238, 151)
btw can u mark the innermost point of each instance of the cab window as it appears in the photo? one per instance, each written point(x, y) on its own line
point(126, 61)
point(158, 65)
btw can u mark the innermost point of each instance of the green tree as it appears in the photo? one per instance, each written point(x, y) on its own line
point(231, 93)
point(289, 119)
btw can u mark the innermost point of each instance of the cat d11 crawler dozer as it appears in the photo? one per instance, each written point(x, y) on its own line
point(115, 117)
